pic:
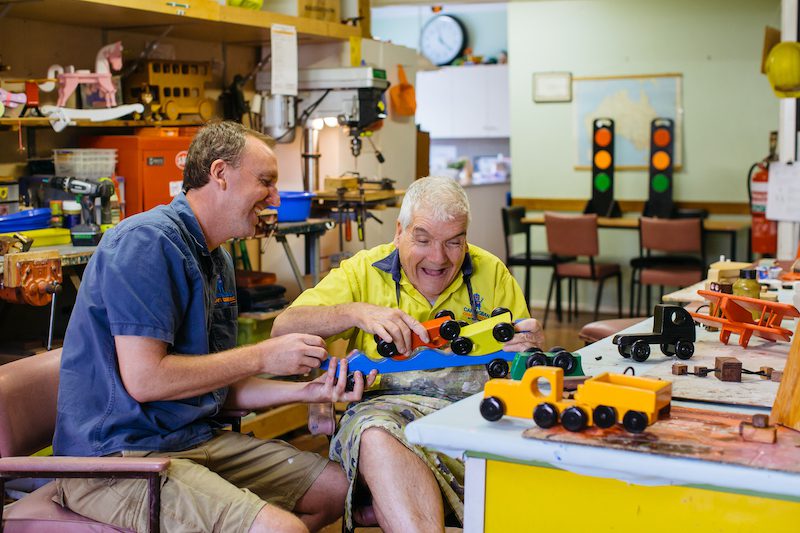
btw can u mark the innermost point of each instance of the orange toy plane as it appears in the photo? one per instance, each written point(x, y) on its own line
point(735, 315)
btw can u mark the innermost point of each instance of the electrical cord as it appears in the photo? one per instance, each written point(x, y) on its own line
point(304, 116)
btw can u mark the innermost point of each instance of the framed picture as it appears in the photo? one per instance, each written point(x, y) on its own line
point(552, 87)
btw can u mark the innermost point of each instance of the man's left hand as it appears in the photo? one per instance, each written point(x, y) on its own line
point(327, 388)
point(529, 334)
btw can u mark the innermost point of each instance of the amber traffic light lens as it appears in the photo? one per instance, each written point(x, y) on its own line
point(661, 137)
point(602, 159)
point(602, 137)
point(660, 160)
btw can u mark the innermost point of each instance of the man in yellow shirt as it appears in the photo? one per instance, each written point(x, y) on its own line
point(388, 291)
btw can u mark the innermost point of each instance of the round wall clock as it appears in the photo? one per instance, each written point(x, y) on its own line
point(443, 39)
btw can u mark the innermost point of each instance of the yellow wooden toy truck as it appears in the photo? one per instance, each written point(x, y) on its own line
point(602, 400)
point(169, 89)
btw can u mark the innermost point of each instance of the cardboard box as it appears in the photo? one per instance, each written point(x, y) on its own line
point(327, 10)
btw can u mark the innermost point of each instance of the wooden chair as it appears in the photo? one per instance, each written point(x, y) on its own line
point(576, 236)
point(671, 253)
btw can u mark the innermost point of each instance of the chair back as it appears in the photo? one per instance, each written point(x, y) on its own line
point(571, 235)
point(671, 235)
point(28, 395)
point(512, 225)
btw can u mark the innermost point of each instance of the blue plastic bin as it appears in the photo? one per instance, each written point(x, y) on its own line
point(295, 206)
point(26, 220)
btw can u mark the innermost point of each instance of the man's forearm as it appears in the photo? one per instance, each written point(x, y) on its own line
point(258, 393)
point(324, 321)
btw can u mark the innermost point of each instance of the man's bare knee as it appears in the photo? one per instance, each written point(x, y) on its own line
point(271, 518)
point(376, 436)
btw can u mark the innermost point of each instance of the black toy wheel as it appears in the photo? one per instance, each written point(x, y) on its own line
point(604, 416)
point(566, 361)
point(634, 421)
point(666, 350)
point(445, 312)
point(545, 415)
point(503, 332)
point(684, 349)
point(640, 351)
point(557, 349)
point(534, 349)
point(497, 368)
point(386, 349)
point(492, 408)
point(499, 311)
point(624, 351)
point(351, 382)
point(574, 419)
point(537, 359)
point(461, 346)
point(449, 330)
point(462, 323)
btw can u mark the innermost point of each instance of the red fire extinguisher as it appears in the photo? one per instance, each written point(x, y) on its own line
point(764, 232)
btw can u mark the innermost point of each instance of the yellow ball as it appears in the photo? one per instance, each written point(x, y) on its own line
point(783, 69)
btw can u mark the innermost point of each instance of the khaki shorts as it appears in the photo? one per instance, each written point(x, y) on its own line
point(219, 486)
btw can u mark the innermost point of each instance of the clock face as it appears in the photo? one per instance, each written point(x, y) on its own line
point(443, 39)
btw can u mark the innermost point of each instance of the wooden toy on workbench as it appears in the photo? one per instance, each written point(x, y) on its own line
point(556, 356)
point(673, 331)
point(486, 335)
point(441, 330)
point(601, 401)
point(746, 317)
point(169, 89)
point(759, 430)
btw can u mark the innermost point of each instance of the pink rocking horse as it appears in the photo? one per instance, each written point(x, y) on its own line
point(108, 57)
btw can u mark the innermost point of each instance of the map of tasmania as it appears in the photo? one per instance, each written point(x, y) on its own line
point(633, 103)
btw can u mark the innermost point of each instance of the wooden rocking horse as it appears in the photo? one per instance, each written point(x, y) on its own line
point(108, 57)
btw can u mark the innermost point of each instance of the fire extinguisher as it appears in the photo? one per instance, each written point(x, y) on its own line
point(764, 232)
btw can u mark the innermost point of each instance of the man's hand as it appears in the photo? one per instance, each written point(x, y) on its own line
point(529, 334)
point(391, 325)
point(327, 388)
point(295, 353)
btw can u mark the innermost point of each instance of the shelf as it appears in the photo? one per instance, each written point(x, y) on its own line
point(38, 122)
point(203, 20)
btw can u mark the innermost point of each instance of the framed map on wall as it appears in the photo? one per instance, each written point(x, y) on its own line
point(633, 102)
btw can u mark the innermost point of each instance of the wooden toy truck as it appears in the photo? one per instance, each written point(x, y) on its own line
point(602, 401)
point(441, 330)
point(171, 88)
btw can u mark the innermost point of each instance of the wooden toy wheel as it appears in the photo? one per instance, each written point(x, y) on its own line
point(492, 408)
point(545, 415)
point(385, 349)
point(640, 351)
point(170, 109)
point(624, 351)
point(445, 312)
point(666, 350)
point(503, 332)
point(499, 311)
point(497, 368)
point(351, 382)
point(634, 421)
point(449, 330)
point(557, 349)
point(684, 349)
point(574, 419)
point(461, 346)
point(566, 361)
point(604, 416)
point(205, 109)
point(537, 359)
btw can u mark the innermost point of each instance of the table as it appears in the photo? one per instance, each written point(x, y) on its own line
point(689, 294)
point(723, 226)
point(513, 482)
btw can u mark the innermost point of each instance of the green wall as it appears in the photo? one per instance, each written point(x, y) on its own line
point(729, 108)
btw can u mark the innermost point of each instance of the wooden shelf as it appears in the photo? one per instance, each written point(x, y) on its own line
point(203, 20)
point(38, 122)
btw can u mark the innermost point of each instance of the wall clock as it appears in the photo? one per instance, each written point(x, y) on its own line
point(443, 39)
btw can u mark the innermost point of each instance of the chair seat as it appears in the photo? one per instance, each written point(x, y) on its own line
point(600, 329)
point(38, 512)
point(584, 270)
point(670, 277)
point(666, 260)
point(536, 259)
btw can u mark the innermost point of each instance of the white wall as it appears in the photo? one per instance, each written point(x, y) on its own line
point(729, 107)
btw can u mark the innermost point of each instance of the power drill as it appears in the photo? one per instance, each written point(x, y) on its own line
point(88, 232)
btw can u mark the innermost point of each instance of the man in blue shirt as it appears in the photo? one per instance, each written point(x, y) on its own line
point(149, 357)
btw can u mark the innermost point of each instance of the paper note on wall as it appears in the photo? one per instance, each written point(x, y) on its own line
point(284, 59)
point(783, 195)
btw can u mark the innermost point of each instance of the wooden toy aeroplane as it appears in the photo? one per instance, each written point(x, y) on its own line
point(735, 314)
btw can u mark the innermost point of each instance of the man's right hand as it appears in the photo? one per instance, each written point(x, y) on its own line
point(391, 325)
point(294, 353)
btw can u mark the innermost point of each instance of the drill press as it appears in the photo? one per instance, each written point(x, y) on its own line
point(87, 233)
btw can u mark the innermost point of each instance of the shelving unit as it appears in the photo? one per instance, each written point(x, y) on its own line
point(203, 20)
point(14, 124)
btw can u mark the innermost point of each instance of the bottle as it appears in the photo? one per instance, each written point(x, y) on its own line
point(747, 284)
point(72, 213)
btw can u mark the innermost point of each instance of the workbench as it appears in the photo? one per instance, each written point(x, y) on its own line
point(609, 480)
point(728, 227)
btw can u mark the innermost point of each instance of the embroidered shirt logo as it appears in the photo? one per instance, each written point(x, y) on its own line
point(226, 298)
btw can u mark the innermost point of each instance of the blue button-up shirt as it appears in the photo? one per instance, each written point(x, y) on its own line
point(151, 276)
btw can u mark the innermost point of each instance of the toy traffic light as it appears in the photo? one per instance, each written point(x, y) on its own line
point(602, 201)
point(662, 142)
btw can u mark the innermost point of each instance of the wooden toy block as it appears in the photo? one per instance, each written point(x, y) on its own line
point(761, 420)
point(700, 371)
point(758, 430)
point(777, 375)
point(680, 369)
point(728, 369)
point(767, 372)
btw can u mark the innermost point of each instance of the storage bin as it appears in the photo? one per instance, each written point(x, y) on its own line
point(88, 163)
point(38, 218)
point(295, 206)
